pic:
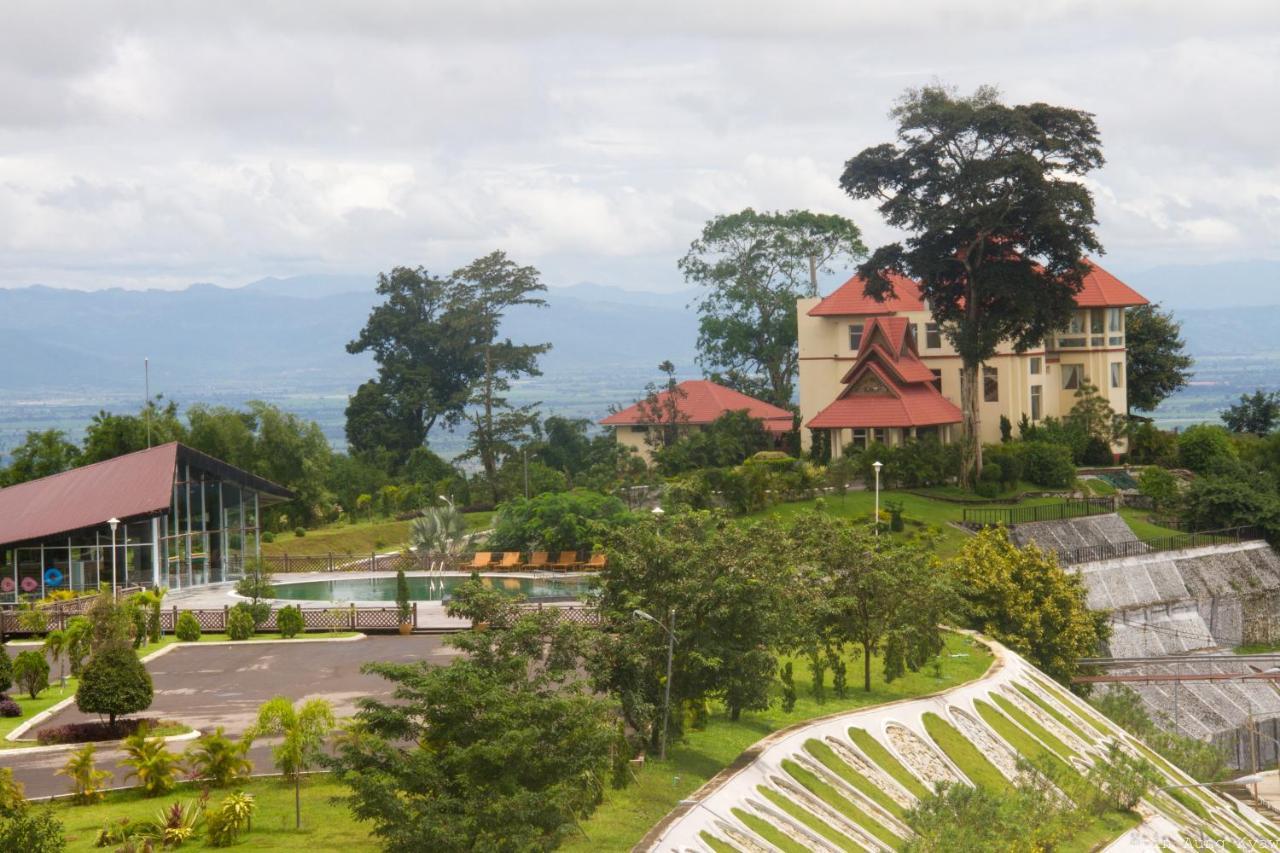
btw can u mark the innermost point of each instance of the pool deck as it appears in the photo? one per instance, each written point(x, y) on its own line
point(431, 614)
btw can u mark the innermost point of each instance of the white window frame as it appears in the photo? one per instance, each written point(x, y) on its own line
point(1117, 374)
point(1072, 376)
point(1037, 402)
point(858, 329)
point(1034, 366)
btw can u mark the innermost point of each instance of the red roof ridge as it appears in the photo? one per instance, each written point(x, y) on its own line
point(90, 465)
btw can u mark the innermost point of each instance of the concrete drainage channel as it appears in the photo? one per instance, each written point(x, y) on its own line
point(846, 782)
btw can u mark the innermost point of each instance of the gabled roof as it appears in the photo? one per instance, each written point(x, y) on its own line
point(913, 406)
point(128, 486)
point(890, 339)
point(1101, 289)
point(702, 401)
point(850, 299)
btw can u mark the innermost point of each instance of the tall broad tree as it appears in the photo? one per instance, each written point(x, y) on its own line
point(41, 454)
point(663, 410)
point(487, 289)
point(1257, 413)
point(753, 266)
point(422, 339)
point(998, 216)
point(109, 435)
point(1157, 365)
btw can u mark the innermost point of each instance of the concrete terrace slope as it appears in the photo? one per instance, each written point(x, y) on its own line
point(844, 782)
point(1107, 529)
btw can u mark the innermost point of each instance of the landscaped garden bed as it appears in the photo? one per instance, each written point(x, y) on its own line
point(101, 730)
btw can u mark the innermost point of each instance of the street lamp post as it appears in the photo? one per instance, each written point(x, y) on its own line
point(113, 523)
point(671, 650)
point(877, 465)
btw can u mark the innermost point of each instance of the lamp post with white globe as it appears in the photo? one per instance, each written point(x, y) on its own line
point(877, 465)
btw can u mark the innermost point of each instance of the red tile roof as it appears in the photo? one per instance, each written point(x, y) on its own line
point(1101, 290)
point(135, 484)
point(703, 401)
point(914, 406)
point(850, 299)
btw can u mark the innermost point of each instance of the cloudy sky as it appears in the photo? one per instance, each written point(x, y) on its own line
point(156, 144)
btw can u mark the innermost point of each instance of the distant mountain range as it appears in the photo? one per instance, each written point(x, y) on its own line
point(284, 339)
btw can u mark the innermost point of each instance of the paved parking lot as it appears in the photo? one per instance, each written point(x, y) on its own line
point(206, 686)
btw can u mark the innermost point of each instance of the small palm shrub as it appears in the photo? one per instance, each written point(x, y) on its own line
point(152, 765)
point(289, 621)
point(31, 672)
point(233, 816)
point(86, 779)
point(188, 630)
point(218, 760)
point(239, 623)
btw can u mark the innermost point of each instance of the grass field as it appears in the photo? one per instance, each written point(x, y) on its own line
point(326, 828)
point(624, 816)
point(361, 537)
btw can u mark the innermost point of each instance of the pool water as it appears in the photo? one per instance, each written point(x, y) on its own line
point(383, 588)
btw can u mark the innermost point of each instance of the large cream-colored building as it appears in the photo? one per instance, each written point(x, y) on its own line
point(863, 365)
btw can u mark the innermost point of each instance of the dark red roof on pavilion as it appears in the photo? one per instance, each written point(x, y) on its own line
point(136, 484)
point(1101, 290)
point(703, 401)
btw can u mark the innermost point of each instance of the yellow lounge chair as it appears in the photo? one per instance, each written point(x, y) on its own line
point(595, 564)
point(538, 560)
point(510, 560)
point(482, 559)
point(568, 560)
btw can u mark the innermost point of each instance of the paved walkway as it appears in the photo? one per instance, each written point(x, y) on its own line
point(206, 686)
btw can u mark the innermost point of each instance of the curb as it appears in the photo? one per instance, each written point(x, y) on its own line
point(68, 747)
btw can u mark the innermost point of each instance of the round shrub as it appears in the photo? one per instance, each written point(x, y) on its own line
point(114, 682)
point(1098, 452)
point(992, 472)
point(299, 532)
point(1200, 446)
point(1010, 466)
point(239, 623)
point(289, 621)
point(9, 708)
point(988, 488)
point(268, 537)
point(31, 672)
point(1048, 465)
point(188, 630)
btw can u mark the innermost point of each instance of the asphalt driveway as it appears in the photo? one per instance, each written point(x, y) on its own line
point(206, 686)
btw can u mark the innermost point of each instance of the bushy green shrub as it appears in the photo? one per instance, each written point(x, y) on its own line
point(188, 629)
point(1098, 451)
point(992, 472)
point(114, 682)
point(6, 669)
point(1047, 465)
point(1009, 461)
point(1159, 485)
point(240, 623)
point(1202, 445)
point(299, 532)
point(268, 537)
point(987, 488)
point(1150, 445)
point(32, 831)
point(31, 672)
point(289, 621)
point(725, 442)
point(556, 521)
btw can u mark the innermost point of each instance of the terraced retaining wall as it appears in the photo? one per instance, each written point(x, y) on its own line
point(846, 782)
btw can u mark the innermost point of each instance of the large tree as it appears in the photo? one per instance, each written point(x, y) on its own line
point(1156, 365)
point(109, 435)
point(1256, 413)
point(753, 266)
point(41, 454)
point(488, 288)
point(999, 221)
point(422, 339)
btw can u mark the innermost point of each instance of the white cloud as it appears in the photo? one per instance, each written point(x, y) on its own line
point(153, 144)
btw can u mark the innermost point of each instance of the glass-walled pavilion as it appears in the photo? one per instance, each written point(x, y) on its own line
point(183, 519)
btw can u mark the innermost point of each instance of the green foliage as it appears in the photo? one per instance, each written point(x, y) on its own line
point(114, 682)
point(77, 640)
point(1202, 446)
point(560, 521)
point(1150, 445)
point(154, 766)
point(1119, 780)
point(87, 780)
point(257, 582)
point(1009, 460)
point(234, 816)
point(912, 464)
point(1123, 706)
point(1021, 597)
point(1256, 413)
point(1092, 415)
point(426, 769)
point(32, 831)
point(109, 435)
point(1159, 485)
point(174, 824)
point(240, 623)
point(404, 604)
point(1155, 363)
point(31, 672)
point(1229, 500)
point(1006, 429)
point(620, 770)
point(41, 454)
point(6, 669)
point(13, 794)
point(1047, 465)
point(218, 760)
point(787, 676)
point(752, 266)
point(728, 440)
point(289, 621)
point(188, 628)
point(302, 729)
point(440, 530)
point(963, 819)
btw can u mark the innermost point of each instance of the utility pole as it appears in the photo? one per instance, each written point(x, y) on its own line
point(146, 404)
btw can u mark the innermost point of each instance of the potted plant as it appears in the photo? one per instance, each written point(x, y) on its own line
point(403, 605)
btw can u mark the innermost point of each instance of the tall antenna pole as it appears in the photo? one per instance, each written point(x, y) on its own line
point(146, 405)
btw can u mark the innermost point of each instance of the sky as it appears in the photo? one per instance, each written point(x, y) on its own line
point(151, 145)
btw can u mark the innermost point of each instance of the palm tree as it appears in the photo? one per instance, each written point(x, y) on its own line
point(442, 531)
point(302, 730)
point(56, 646)
point(78, 637)
point(153, 766)
point(219, 759)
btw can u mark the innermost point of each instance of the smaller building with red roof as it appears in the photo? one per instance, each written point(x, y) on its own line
point(698, 403)
point(884, 371)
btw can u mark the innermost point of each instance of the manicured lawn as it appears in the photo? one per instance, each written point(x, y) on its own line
point(1139, 523)
point(966, 756)
point(624, 816)
point(361, 537)
point(326, 827)
point(30, 707)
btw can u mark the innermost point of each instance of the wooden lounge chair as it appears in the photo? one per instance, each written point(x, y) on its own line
point(482, 559)
point(510, 560)
point(538, 560)
point(568, 560)
point(595, 564)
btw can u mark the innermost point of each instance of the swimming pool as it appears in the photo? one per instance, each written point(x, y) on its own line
point(433, 588)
